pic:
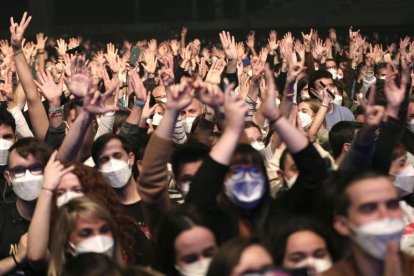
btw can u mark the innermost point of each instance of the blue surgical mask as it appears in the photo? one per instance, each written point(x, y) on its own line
point(245, 187)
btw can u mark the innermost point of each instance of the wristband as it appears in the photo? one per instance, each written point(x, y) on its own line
point(17, 52)
point(325, 105)
point(57, 109)
point(78, 101)
point(15, 260)
point(272, 122)
point(139, 104)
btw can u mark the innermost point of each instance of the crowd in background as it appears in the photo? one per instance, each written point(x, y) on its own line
point(179, 157)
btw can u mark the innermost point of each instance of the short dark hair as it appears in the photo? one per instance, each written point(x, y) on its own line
point(101, 142)
point(341, 200)
point(7, 119)
point(190, 152)
point(31, 146)
point(297, 224)
point(229, 255)
point(250, 124)
point(120, 117)
point(341, 133)
point(319, 74)
point(91, 264)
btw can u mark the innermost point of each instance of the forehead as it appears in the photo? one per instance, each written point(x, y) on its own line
point(185, 241)
point(330, 63)
point(16, 160)
point(371, 190)
point(304, 241)
point(252, 132)
point(112, 146)
point(158, 91)
point(5, 129)
point(303, 105)
point(68, 181)
point(195, 104)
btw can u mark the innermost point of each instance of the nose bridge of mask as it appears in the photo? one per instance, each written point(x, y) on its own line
point(113, 165)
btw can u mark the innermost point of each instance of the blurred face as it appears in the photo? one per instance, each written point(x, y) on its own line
point(18, 165)
point(302, 245)
point(253, 134)
point(330, 64)
point(290, 168)
point(305, 108)
point(193, 110)
point(193, 245)
point(114, 150)
point(371, 200)
point(159, 93)
point(159, 110)
point(69, 183)
point(71, 117)
point(85, 229)
point(7, 133)
point(188, 170)
point(326, 81)
point(253, 257)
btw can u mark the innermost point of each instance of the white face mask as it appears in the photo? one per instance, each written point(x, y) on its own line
point(410, 125)
point(163, 100)
point(334, 72)
point(66, 197)
point(257, 145)
point(185, 188)
point(404, 181)
point(320, 265)
point(117, 172)
point(407, 244)
point(188, 123)
point(4, 151)
point(337, 100)
point(102, 244)
point(198, 268)
point(304, 96)
point(305, 119)
point(28, 186)
point(291, 181)
point(373, 237)
point(156, 119)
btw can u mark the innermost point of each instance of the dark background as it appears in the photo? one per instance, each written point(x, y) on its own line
point(116, 19)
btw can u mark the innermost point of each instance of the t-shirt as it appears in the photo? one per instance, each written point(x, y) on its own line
point(338, 114)
point(12, 227)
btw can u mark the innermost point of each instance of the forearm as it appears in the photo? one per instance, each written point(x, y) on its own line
point(7, 265)
point(22, 128)
point(287, 99)
point(26, 79)
point(70, 146)
point(39, 229)
point(231, 67)
point(225, 146)
point(167, 124)
point(293, 138)
point(309, 63)
point(135, 115)
point(317, 122)
point(41, 61)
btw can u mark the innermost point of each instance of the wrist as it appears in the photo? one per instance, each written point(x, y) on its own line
point(17, 259)
point(47, 190)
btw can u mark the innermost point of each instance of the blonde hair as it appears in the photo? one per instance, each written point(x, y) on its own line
point(87, 208)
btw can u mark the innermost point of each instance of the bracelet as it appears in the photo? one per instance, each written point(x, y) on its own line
point(41, 52)
point(325, 105)
point(57, 109)
point(272, 122)
point(15, 260)
point(47, 189)
point(78, 101)
point(139, 104)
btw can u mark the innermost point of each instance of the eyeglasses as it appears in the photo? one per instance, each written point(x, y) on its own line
point(19, 171)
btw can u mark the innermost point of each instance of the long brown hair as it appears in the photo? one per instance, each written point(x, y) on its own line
point(88, 208)
point(95, 184)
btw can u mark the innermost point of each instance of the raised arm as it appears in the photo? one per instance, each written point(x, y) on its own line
point(37, 113)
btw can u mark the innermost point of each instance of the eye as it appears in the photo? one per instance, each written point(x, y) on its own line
point(117, 155)
point(103, 160)
point(105, 229)
point(320, 253)
point(84, 233)
point(368, 208)
point(60, 192)
point(188, 259)
point(77, 189)
point(209, 252)
point(296, 258)
point(393, 204)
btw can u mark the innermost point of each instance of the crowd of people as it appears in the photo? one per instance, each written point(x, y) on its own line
point(178, 158)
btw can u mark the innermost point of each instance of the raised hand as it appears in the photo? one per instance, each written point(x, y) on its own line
point(208, 93)
point(264, 52)
point(184, 31)
point(250, 39)
point(62, 47)
point(214, 74)
point(4, 47)
point(40, 42)
point(229, 45)
point(394, 94)
point(137, 86)
point(167, 72)
point(404, 43)
point(17, 31)
point(272, 40)
point(175, 46)
point(258, 68)
point(374, 114)
point(307, 38)
point(288, 38)
point(332, 35)
point(94, 101)
point(49, 88)
point(73, 43)
point(150, 61)
point(179, 95)
point(235, 110)
point(320, 48)
point(6, 89)
point(152, 46)
point(353, 35)
point(111, 57)
point(79, 81)
point(29, 51)
point(54, 171)
point(217, 53)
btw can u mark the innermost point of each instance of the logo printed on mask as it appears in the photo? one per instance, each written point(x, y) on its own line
point(28, 186)
point(245, 187)
point(102, 244)
point(197, 268)
point(118, 172)
point(4, 151)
